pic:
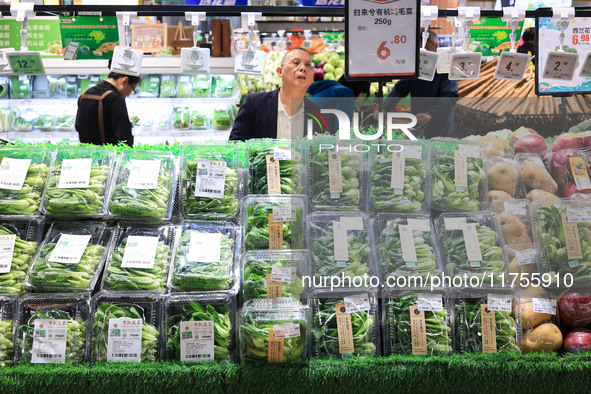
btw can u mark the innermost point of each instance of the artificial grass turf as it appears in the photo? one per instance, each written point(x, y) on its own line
point(508, 373)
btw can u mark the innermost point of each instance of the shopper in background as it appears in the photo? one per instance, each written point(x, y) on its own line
point(529, 42)
point(431, 101)
point(340, 95)
point(272, 114)
point(102, 113)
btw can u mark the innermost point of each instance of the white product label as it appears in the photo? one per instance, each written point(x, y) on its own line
point(6, 252)
point(140, 252)
point(430, 302)
point(352, 222)
point(341, 244)
point(578, 214)
point(357, 303)
point(205, 247)
point(472, 245)
point(282, 153)
point(529, 256)
point(143, 174)
point(444, 63)
point(397, 173)
point(197, 341)
point(69, 249)
point(75, 173)
point(281, 273)
point(419, 225)
point(284, 213)
point(284, 331)
point(249, 62)
point(13, 173)
point(586, 68)
point(560, 65)
point(465, 150)
point(454, 223)
point(412, 152)
point(512, 66)
point(500, 303)
point(515, 207)
point(49, 341)
point(544, 305)
point(124, 342)
point(211, 178)
point(407, 242)
point(427, 64)
point(465, 66)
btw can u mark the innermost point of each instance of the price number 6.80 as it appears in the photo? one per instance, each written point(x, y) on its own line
point(383, 50)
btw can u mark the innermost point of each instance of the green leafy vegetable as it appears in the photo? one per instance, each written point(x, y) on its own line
point(224, 85)
point(6, 342)
point(23, 120)
point(290, 171)
point(13, 282)
point(167, 86)
point(20, 87)
point(257, 227)
point(201, 86)
point(255, 279)
point(199, 120)
point(184, 86)
point(150, 86)
point(221, 119)
point(180, 118)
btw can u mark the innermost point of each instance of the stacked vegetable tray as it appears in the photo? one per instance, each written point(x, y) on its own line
point(169, 262)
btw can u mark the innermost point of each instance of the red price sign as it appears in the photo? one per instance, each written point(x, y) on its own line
point(581, 38)
point(383, 50)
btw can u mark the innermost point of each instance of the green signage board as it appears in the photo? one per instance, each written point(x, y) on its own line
point(89, 37)
point(490, 36)
point(42, 36)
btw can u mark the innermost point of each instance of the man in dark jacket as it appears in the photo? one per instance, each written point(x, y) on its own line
point(102, 114)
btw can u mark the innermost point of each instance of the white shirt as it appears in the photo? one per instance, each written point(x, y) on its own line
point(289, 126)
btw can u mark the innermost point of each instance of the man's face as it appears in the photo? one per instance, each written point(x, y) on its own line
point(125, 87)
point(297, 70)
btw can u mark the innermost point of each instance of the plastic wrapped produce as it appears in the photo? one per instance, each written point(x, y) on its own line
point(24, 120)
point(20, 87)
point(168, 86)
point(150, 86)
point(181, 118)
point(199, 120)
point(224, 85)
point(221, 119)
point(65, 122)
point(201, 85)
point(184, 86)
point(8, 322)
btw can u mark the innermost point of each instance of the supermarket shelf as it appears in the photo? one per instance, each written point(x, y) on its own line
point(273, 26)
point(37, 136)
point(60, 102)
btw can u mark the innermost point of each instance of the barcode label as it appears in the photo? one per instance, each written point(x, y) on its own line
point(207, 190)
point(49, 341)
point(69, 248)
point(211, 178)
point(44, 355)
point(143, 174)
point(6, 252)
point(205, 247)
point(197, 340)
point(124, 342)
point(75, 173)
point(205, 356)
point(140, 252)
point(13, 173)
point(125, 355)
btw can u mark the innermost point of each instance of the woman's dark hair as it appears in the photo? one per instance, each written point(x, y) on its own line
point(529, 34)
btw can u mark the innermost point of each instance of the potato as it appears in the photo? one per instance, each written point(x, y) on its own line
point(504, 176)
point(537, 194)
point(537, 177)
point(498, 195)
point(529, 318)
point(515, 267)
point(493, 146)
point(513, 229)
point(543, 338)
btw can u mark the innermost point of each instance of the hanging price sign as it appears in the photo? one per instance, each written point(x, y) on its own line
point(586, 69)
point(427, 64)
point(26, 63)
point(444, 59)
point(560, 65)
point(381, 39)
point(465, 66)
point(512, 66)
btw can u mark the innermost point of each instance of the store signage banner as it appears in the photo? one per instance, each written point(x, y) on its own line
point(490, 36)
point(89, 37)
point(577, 40)
point(42, 36)
point(381, 39)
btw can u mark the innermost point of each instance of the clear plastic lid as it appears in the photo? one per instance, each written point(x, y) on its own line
point(503, 174)
point(212, 183)
point(23, 171)
point(330, 330)
point(205, 257)
point(467, 193)
point(140, 257)
point(261, 215)
point(541, 320)
point(398, 180)
point(207, 331)
point(21, 234)
point(8, 325)
point(258, 272)
point(79, 178)
point(41, 338)
point(515, 221)
point(336, 175)
point(71, 258)
point(116, 321)
point(398, 328)
point(144, 185)
point(405, 246)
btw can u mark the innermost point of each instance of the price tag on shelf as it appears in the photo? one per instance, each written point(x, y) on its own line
point(560, 65)
point(465, 66)
point(586, 69)
point(249, 62)
point(381, 44)
point(500, 303)
point(26, 63)
point(427, 64)
point(512, 66)
point(444, 60)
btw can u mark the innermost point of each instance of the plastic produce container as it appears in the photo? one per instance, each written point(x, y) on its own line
point(24, 120)
point(540, 321)
point(53, 329)
point(44, 122)
point(21, 87)
point(515, 220)
point(268, 326)
point(200, 327)
point(8, 325)
point(274, 274)
point(126, 327)
point(79, 178)
point(71, 258)
point(205, 257)
point(202, 85)
point(144, 185)
point(184, 86)
point(432, 307)
point(181, 118)
point(23, 171)
point(139, 259)
point(212, 183)
point(398, 178)
point(503, 174)
point(65, 122)
point(222, 118)
point(453, 189)
point(199, 120)
point(22, 235)
point(224, 85)
point(273, 222)
point(345, 323)
point(168, 86)
point(150, 86)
